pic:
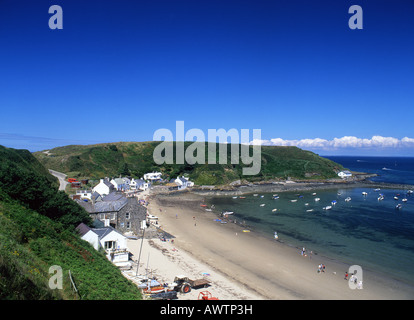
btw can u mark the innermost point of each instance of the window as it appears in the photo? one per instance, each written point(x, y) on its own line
point(110, 245)
point(128, 225)
point(127, 215)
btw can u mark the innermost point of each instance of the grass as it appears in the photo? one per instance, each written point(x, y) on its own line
point(111, 159)
point(31, 243)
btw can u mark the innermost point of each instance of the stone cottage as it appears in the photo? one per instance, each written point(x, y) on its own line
point(115, 210)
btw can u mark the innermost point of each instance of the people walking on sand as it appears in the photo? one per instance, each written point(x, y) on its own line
point(346, 275)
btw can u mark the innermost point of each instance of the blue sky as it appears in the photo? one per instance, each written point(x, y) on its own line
point(120, 70)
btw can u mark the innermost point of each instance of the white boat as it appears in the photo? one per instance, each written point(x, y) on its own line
point(262, 205)
point(404, 200)
point(309, 210)
point(275, 197)
point(317, 199)
point(276, 236)
point(208, 210)
point(261, 196)
point(410, 191)
point(364, 193)
point(395, 198)
point(314, 194)
point(274, 210)
point(381, 197)
point(327, 208)
point(378, 189)
point(398, 206)
point(348, 199)
point(293, 200)
point(255, 195)
point(333, 202)
point(235, 197)
point(306, 204)
point(227, 212)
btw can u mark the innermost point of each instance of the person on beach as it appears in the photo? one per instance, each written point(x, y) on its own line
point(346, 275)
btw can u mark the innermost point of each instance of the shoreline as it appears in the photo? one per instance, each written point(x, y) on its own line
point(275, 187)
point(263, 266)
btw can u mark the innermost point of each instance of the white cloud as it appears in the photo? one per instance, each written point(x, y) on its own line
point(344, 142)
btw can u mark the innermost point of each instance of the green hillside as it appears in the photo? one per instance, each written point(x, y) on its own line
point(136, 158)
point(37, 231)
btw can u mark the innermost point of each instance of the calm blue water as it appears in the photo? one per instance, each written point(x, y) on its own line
point(363, 231)
point(389, 169)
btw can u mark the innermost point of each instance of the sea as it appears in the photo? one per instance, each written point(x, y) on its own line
point(363, 231)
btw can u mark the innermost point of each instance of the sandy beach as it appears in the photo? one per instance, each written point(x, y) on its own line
point(245, 265)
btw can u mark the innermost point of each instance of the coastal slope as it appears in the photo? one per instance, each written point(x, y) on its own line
point(136, 159)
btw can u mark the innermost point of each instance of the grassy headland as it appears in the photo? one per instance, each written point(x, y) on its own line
point(136, 158)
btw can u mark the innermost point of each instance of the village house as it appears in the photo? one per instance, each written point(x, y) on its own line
point(116, 210)
point(113, 242)
point(121, 184)
point(345, 174)
point(104, 187)
point(183, 182)
point(153, 176)
point(139, 184)
point(84, 194)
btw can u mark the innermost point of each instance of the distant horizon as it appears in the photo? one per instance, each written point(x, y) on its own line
point(44, 148)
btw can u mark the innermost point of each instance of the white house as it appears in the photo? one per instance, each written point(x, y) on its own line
point(104, 187)
point(183, 182)
point(153, 176)
point(84, 194)
point(87, 234)
point(139, 184)
point(113, 242)
point(121, 184)
point(345, 174)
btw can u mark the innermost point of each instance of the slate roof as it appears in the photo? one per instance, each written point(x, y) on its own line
point(102, 232)
point(111, 203)
point(82, 229)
